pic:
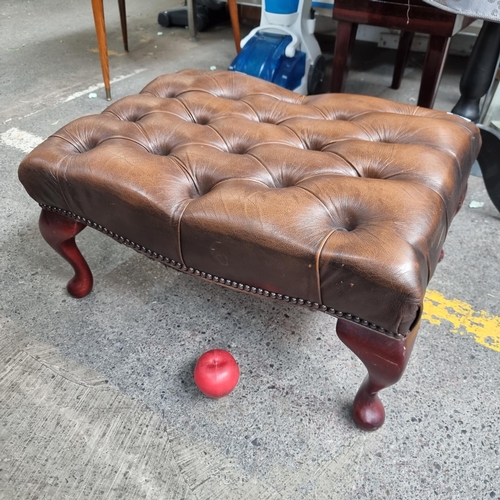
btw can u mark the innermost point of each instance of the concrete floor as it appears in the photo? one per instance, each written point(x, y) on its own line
point(97, 399)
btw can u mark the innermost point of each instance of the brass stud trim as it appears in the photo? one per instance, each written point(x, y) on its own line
point(222, 281)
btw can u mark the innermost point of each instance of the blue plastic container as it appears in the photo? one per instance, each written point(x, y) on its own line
point(263, 56)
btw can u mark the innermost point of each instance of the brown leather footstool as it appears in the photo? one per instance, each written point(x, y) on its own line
point(339, 203)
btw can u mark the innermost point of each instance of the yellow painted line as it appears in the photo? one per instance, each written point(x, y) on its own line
point(481, 325)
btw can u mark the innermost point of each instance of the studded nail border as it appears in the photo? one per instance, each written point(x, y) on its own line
point(221, 281)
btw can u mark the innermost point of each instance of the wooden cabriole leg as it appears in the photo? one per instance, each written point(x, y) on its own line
point(385, 358)
point(59, 232)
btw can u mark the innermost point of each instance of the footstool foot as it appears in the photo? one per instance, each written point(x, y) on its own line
point(385, 358)
point(59, 232)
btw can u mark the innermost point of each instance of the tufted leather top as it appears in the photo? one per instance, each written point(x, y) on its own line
point(340, 200)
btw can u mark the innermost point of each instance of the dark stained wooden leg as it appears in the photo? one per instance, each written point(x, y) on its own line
point(59, 232)
point(123, 22)
point(346, 34)
point(385, 359)
point(437, 50)
point(404, 46)
point(235, 24)
point(100, 30)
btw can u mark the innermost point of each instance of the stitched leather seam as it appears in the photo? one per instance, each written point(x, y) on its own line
point(304, 145)
point(222, 138)
point(187, 172)
point(179, 247)
point(122, 138)
point(317, 199)
point(68, 141)
point(317, 109)
point(186, 108)
point(248, 105)
point(318, 259)
point(238, 179)
point(345, 159)
point(268, 171)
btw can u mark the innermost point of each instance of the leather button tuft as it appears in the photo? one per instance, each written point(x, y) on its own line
point(133, 117)
point(202, 120)
point(88, 144)
point(160, 150)
point(239, 149)
point(267, 119)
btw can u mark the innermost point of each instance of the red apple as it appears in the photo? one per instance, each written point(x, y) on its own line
point(216, 373)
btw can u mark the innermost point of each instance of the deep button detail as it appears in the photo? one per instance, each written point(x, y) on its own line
point(349, 226)
point(161, 149)
point(266, 119)
point(135, 118)
point(285, 182)
point(128, 114)
point(202, 120)
point(237, 149)
point(316, 147)
point(132, 115)
point(88, 145)
point(166, 94)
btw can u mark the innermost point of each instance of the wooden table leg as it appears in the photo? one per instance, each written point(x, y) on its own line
point(123, 22)
point(435, 58)
point(403, 53)
point(346, 35)
point(100, 29)
point(235, 23)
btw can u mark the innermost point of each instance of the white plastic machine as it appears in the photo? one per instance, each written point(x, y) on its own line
point(283, 49)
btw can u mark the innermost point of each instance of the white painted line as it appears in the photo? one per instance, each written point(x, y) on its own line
point(98, 86)
point(20, 139)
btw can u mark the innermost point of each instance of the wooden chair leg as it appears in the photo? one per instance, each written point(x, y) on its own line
point(59, 232)
point(435, 59)
point(123, 22)
point(385, 358)
point(403, 53)
point(346, 34)
point(100, 29)
point(235, 23)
